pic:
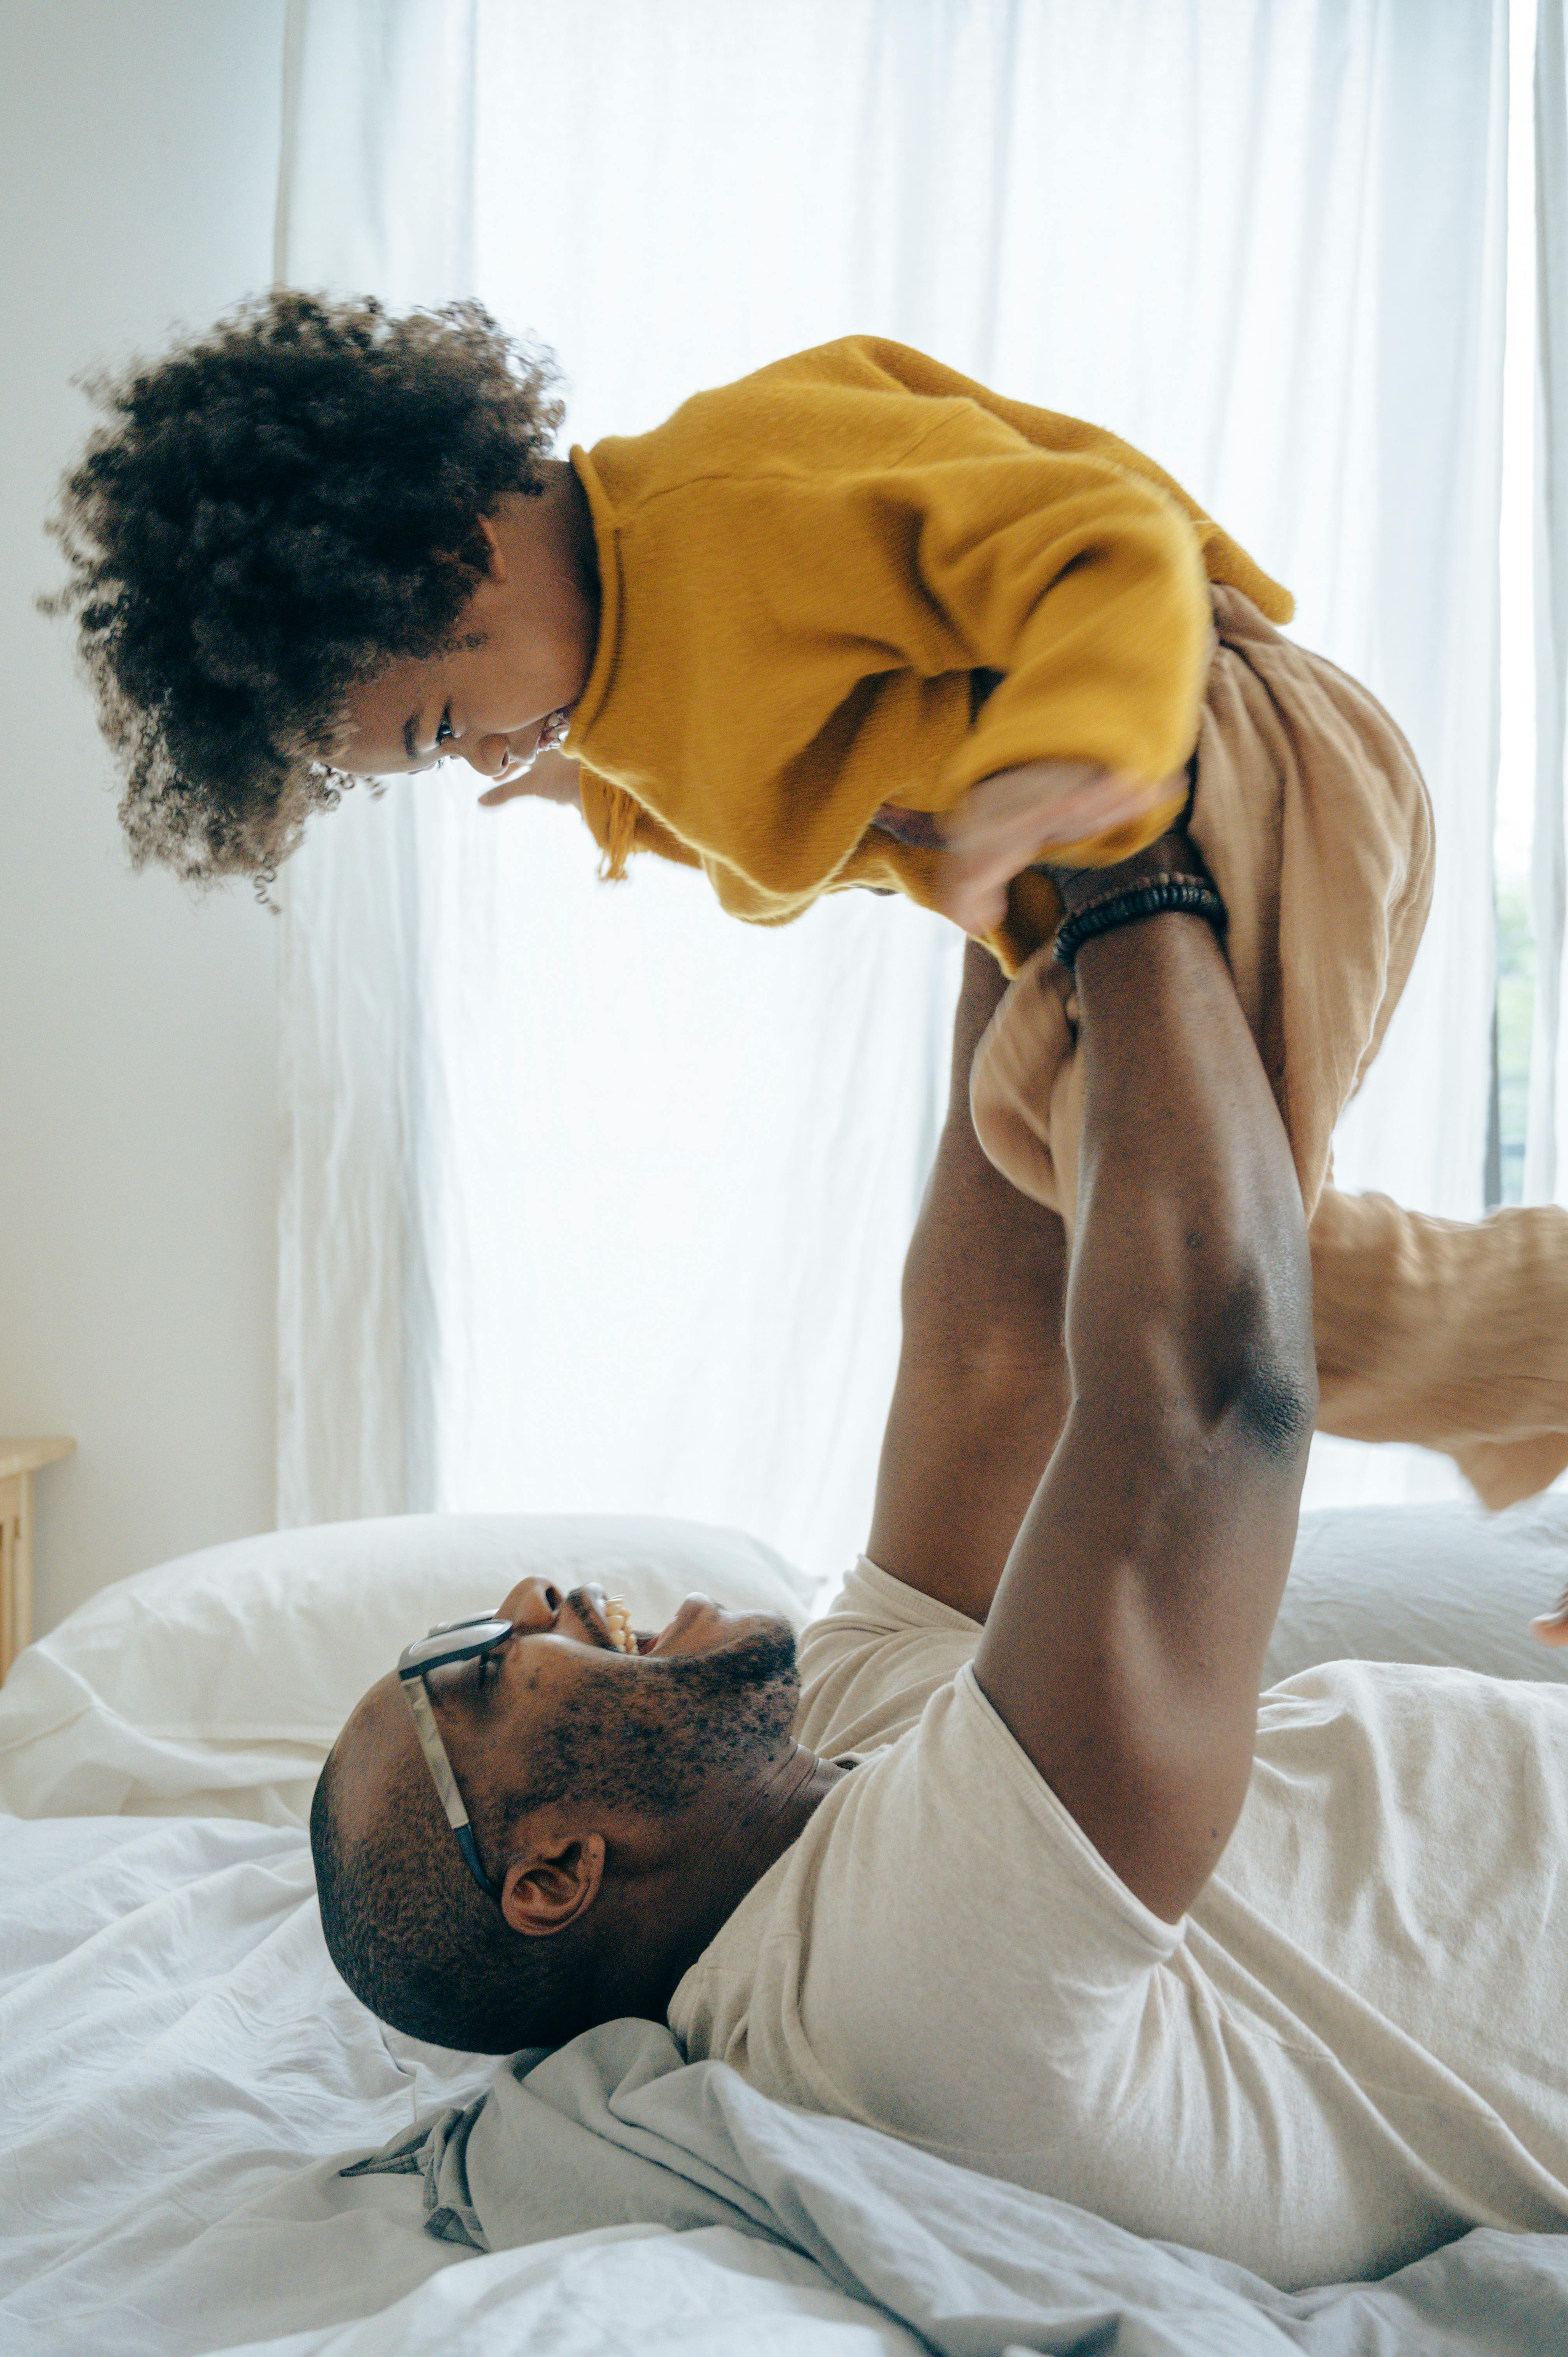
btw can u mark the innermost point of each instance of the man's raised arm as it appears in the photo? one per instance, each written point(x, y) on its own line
point(1124, 1645)
point(982, 1390)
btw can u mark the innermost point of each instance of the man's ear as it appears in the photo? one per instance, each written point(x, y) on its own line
point(550, 1881)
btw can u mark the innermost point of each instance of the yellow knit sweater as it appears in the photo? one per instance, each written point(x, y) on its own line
point(856, 577)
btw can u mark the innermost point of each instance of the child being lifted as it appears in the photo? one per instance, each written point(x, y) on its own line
point(853, 620)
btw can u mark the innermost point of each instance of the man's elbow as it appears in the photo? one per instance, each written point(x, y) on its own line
point(1276, 1407)
point(1266, 1368)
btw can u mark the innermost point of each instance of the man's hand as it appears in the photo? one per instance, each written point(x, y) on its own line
point(1552, 1628)
point(1012, 820)
point(1171, 854)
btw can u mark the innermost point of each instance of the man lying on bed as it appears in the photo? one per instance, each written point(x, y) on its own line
point(1008, 1860)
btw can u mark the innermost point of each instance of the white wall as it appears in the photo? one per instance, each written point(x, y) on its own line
point(138, 158)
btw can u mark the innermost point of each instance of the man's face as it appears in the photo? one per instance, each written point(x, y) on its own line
point(558, 1715)
point(559, 1711)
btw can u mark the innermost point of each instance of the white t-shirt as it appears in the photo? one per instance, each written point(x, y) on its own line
point(1353, 2048)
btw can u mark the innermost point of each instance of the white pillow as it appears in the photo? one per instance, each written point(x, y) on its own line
point(1447, 1584)
point(215, 1683)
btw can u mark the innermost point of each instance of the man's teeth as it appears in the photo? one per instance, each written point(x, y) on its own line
point(617, 1620)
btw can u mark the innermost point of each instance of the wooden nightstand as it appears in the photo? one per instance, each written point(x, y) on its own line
point(19, 1460)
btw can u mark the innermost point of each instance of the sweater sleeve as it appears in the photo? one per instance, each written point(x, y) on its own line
point(1085, 587)
point(798, 635)
point(620, 825)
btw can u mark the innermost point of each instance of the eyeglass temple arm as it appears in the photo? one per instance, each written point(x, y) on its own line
point(436, 1752)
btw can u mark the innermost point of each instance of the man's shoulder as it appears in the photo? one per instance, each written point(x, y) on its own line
point(871, 1598)
point(872, 1662)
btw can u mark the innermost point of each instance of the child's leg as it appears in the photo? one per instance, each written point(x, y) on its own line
point(1448, 1334)
point(980, 1393)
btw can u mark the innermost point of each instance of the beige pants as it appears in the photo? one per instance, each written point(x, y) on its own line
point(1314, 820)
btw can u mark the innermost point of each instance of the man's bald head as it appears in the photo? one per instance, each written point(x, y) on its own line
point(408, 1928)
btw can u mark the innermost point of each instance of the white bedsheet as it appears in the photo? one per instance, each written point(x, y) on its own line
point(711, 2293)
point(177, 2060)
point(181, 2068)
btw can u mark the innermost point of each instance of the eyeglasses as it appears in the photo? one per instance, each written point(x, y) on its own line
point(449, 1640)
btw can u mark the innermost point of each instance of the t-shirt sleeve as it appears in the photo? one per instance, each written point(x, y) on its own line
point(872, 1662)
point(965, 1940)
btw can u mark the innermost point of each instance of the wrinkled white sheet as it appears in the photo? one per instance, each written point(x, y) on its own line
point(175, 2054)
point(708, 2294)
point(178, 2062)
point(181, 2070)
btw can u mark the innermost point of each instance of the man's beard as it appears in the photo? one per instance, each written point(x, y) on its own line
point(649, 1740)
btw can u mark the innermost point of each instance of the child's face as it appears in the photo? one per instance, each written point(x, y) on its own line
point(527, 639)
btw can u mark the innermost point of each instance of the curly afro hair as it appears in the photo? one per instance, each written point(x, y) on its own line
point(269, 515)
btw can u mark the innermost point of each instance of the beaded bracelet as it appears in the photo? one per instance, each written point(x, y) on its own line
point(1189, 893)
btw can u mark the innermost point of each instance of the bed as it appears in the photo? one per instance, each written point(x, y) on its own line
point(208, 2145)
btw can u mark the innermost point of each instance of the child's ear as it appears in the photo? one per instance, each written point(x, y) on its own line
point(497, 567)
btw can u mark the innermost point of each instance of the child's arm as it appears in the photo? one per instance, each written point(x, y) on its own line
point(1001, 826)
point(556, 777)
point(1005, 822)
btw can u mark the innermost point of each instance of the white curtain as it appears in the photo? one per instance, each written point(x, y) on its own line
point(595, 1197)
point(1546, 1141)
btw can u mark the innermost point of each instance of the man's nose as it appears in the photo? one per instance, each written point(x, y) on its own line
point(533, 1604)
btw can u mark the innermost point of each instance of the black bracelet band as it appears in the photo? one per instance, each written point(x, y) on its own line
point(1189, 893)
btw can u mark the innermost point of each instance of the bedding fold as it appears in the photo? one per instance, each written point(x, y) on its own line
point(617, 2125)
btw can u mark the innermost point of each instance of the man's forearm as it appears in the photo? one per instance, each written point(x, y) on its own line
point(1130, 1625)
point(981, 1384)
point(1190, 1278)
point(985, 1274)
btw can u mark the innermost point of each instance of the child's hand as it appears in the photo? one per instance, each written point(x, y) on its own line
point(1010, 821)
point(549, 779)
point(1552, 1628)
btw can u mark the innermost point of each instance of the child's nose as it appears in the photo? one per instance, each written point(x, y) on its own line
point(492, 756)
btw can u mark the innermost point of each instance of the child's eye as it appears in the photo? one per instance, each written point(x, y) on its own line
point(444, 727)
